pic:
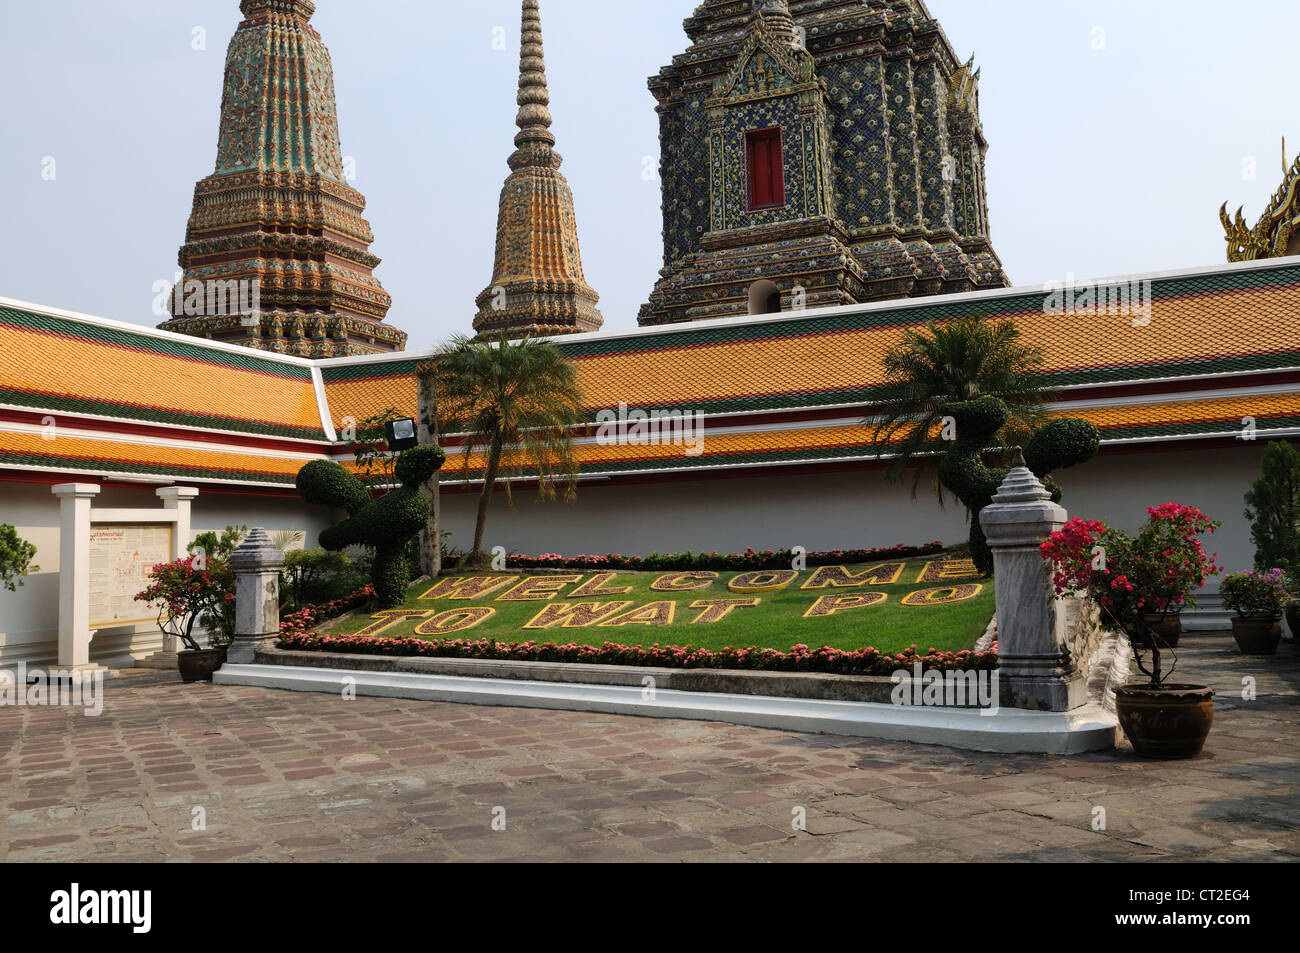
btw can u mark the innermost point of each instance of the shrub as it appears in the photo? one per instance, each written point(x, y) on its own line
point(1273, 508)
point(325, 483)
point(1256, 595)
point(749, 560)
point(317, 575)
point(387, 525)
point(16, 555)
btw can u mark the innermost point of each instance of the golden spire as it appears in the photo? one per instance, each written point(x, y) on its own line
point(538, 288)
point(535, 141)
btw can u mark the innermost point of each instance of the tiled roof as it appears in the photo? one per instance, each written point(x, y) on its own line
point(359, 391)
point(1204, 324)
point(1222, 345)
point(63, 364)
point(116, 457)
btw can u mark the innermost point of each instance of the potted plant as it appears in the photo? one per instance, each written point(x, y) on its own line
point(191, 593)
point(1292, 611)
point(1258, 598)
point(1140, 582)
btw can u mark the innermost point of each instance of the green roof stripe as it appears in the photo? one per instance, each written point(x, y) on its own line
point(100, 408)
point(356, 372)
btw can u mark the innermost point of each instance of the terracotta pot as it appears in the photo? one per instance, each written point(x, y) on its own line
point(1168, 629)
point(1257, 636)
point(1172, 721)
point(1293, 621)
point(199, 666)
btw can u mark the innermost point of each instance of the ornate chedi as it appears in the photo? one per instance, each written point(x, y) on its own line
point(1277, 233)
point(276, 255)
point(537, 288)
point(818, 153)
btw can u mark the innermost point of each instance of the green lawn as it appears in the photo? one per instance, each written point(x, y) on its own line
point(643, 616)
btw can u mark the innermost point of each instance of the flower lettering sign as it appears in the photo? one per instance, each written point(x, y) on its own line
point(698, 598)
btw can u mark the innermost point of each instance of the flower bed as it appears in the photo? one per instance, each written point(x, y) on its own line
point(303, 621)
point(798, 659)
point(749, 559)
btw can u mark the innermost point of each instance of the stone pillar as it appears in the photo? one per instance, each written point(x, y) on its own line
point(1035, 666)
point(74, 576)
point(176, 500)
point(257, 564)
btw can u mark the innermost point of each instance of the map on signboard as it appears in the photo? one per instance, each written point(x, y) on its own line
point(121, 556)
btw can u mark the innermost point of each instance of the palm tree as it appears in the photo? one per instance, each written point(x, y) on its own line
point(517, 403)
point(957, 361)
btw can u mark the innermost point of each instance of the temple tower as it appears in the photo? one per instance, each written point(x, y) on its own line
point(537, 288)
point(818, 153)
point(276, 255)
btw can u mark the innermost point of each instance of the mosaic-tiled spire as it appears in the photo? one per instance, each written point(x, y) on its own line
point(538, 288)
point(861, 127)
point(535, 140)
point(276, 255)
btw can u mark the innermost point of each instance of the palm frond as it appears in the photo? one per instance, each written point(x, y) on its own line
point(943, 363)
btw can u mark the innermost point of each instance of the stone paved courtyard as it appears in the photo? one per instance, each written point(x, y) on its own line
point(284, 776)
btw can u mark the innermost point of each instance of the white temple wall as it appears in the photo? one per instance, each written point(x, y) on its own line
point(824, 511)
point(29, 617)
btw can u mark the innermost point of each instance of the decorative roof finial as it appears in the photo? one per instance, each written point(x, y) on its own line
point(535, 139)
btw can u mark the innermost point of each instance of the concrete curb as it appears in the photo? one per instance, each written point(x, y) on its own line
point(1007, 730)
point(851, 688)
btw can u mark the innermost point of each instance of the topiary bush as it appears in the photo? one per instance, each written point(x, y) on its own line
point(386, 525)
point(16, 555)
point(1056, 446)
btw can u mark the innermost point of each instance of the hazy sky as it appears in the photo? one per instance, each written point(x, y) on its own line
point(1103, 161)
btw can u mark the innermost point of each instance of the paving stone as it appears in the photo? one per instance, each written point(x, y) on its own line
point(287, 776)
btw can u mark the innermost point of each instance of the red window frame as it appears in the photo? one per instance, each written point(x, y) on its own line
point(765, 168)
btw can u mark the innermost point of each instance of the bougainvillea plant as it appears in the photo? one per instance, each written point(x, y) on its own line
point(191, 591)
point(1256, 595)
point(1134, 579)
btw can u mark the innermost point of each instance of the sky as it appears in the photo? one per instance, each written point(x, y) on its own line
point(1116, 130)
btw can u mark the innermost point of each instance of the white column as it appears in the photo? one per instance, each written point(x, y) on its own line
point(74, 575)
point(176, 499)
